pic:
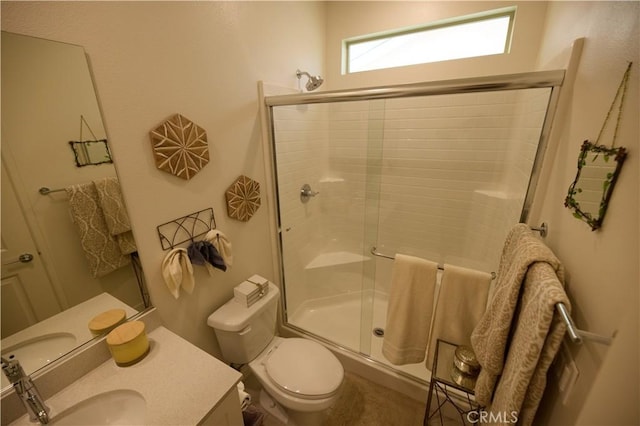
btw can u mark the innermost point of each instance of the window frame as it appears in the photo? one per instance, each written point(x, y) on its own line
point(451, 22)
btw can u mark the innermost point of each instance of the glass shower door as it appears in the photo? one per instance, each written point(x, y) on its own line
point(326, 265)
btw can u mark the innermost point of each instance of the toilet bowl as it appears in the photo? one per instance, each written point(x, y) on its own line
point(301, 377)
point(300, 374)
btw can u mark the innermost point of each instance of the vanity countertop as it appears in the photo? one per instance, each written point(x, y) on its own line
point(180, 383)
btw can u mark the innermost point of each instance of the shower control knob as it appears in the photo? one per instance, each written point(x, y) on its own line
point(306, 192)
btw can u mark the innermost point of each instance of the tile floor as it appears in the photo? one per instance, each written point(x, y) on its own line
point(364, 403)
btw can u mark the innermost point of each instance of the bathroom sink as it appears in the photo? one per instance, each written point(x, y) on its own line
point(37, 351)
point(118, 407)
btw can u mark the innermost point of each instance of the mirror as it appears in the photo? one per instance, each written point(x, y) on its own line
point(49, 289)
point(598, 170)
point(91, 153)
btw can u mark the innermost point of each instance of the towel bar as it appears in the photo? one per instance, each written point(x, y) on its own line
point(46, 191)
point(386, 256)
point(543, 229)
point(575, 334)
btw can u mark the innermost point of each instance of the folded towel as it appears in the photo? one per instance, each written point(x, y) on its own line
point(177, 272)
point(535, 341)
point(409, 310)
point(115, 213)
point(222, 244)
point(490, 337)
point(461, 303)
point(204, 253)
point(100, 247)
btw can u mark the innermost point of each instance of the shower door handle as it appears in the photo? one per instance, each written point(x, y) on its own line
point(306, 192)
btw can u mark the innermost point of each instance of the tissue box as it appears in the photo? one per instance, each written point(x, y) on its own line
point(247, 293)
point(261, 282)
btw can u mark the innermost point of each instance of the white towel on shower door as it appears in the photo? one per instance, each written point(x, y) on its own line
point(461, 303)
point(409, 311)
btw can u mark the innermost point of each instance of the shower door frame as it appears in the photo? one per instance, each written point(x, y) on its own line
point(540, 79)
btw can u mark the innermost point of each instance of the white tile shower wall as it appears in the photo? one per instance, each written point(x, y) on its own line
point(301, 151)
point(348, 143)
point(449, 174)
point(438, 151)
point(496, 210)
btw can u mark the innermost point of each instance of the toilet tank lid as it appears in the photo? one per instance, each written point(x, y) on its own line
point(233, 316)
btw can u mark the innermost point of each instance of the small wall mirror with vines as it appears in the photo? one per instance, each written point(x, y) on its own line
point(598, 170)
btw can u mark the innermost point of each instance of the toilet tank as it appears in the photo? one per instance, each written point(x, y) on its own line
point(243, 332)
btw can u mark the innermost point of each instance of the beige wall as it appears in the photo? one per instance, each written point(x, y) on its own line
point(152, 60)
point(202, 59)
point(602, 266)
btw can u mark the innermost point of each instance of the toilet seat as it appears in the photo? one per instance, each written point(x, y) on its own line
point(304, 368)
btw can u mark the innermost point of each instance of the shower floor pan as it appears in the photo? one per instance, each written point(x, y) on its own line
point(338, 318)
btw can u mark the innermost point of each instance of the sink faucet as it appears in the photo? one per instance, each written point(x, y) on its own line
point(26, 390)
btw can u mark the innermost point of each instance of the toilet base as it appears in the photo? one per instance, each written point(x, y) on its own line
point(287, 416)
point(272, 407)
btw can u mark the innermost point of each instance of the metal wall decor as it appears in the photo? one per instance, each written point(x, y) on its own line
point(180, 147)
point(243, 198)
point(186, 228)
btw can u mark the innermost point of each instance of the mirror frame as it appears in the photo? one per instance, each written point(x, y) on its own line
point(83, 157)
point(619, 155)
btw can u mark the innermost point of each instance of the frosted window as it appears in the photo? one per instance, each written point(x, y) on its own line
point(465, 38)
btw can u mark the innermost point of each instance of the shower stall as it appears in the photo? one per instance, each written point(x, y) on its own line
point(438, 170)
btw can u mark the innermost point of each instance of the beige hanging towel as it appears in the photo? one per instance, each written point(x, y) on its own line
point(537, 336)
point(409, 310)
point(461, 303)
point(177, 271)
point(115, 213)
point(222, 244)
point(100, 247)
point(489, 339)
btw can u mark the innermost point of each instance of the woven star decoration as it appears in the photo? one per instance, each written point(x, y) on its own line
point(180, 147)
point(243, 198)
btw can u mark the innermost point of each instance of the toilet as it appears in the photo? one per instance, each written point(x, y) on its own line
point(300, 377)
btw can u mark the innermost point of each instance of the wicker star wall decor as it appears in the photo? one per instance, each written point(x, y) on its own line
point(243, 198)
point(180, 147)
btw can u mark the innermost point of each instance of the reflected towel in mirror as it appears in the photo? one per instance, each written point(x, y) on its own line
point(115, 213)
point(99, 245)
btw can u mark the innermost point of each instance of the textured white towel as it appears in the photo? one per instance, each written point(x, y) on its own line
point(177, 272)
point(461, 303)
point(222, 244)
point(413, 282)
